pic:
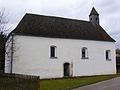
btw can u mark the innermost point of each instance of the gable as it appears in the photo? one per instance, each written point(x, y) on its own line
point(56, 27)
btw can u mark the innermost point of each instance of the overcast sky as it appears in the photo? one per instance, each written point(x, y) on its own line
point(109, 11)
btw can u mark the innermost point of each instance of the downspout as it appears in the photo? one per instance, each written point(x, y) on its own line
point(12, 51)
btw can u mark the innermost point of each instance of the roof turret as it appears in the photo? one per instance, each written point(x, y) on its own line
point(93, 12)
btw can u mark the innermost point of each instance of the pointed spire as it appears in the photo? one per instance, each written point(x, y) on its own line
point(94, 17)
point(93, 12)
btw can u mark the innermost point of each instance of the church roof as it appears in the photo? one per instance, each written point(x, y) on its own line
point(93, 12)
point(56, 27)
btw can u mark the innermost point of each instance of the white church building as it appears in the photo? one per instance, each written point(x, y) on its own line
point(55, 47)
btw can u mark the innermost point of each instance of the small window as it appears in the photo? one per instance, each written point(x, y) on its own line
point(108, 55)
point(53, 52)
point(96, 19)
point(90, 18)
point(84, 53)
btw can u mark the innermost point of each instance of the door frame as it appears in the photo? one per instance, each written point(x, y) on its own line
point(66, 69)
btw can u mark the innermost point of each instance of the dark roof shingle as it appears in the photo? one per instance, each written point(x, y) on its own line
point(56, 27)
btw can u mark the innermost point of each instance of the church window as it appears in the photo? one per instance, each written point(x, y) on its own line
point(96, 19)
point(108, 55)
point(84, 53)
point(53, 51)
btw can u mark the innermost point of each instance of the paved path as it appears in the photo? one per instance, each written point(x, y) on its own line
point(113, 84)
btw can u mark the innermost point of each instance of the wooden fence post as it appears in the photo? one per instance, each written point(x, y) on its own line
point(38, 79)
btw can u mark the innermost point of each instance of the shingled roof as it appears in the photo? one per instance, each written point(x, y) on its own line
point(56, 27)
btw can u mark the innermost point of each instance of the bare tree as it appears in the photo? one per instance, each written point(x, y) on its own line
point(3, 22)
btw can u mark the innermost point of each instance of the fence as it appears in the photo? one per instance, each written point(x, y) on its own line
point(19, 82)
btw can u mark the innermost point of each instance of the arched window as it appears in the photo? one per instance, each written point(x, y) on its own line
point(84, 53)
point(96, 18)
point(53, 51)
point(108, 55)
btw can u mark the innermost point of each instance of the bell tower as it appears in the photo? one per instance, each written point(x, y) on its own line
point(94, 17)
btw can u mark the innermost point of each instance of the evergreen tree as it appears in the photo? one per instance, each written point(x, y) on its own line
point(3, 30)
point(2, 51)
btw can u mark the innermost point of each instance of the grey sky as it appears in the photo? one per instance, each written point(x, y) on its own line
point(109, 11)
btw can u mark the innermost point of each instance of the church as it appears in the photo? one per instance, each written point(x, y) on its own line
point(56, 47)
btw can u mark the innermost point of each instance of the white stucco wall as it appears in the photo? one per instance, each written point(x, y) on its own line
point(33, 57)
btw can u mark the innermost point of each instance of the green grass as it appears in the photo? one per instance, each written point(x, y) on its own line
point(70, 83)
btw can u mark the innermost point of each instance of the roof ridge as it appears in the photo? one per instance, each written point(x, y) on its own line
point(57, 17)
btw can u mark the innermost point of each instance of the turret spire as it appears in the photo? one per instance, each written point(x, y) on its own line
point(94, 17)
point(93, 12)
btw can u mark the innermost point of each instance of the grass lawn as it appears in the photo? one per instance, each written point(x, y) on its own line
point(70, 83)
